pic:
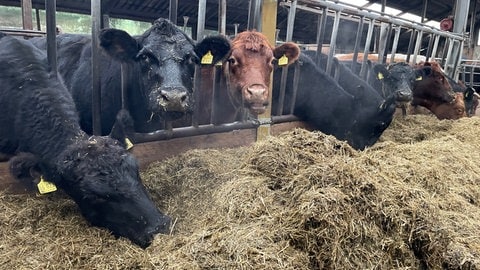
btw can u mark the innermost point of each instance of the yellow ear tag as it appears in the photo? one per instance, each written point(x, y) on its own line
point(380, 76)
point(128, 144)
point(207, 59)
point(45, 186)
point(283, 60)
point(419, 78)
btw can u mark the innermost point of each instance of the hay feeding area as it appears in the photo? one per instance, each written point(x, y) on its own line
point(300, 200)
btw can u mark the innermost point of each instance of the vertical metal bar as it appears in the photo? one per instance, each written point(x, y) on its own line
point(473, 19)
point(289, 34)
point(395, 43)
point(363, 69)
point(37, 16)
point(417, 46)
point(96, 15)
point(105, 21)
point(217, 78)
point(50, 10)
point(424, 10)
point(435, 47)
point(333, 42)
point(236, 28)
point(123, 75)
point(254, 15)
point(172, 11)
point(322, 22)
point(291, 20)
point(410, 45)
point(222, 16)
point(461, 16)
point(358, 39)
point(429, 48)
point(296, 80)
point(27, 19)
point(202, 7)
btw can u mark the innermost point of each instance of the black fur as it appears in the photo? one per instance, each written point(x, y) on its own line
point(355, 112)
point(40, 124)
point(160, 66)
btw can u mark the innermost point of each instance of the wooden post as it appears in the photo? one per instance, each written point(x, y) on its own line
point(269, 27)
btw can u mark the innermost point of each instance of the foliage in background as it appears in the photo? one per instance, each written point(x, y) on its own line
point(11, 17)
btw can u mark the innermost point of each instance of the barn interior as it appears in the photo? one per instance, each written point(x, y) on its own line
point(300, 200)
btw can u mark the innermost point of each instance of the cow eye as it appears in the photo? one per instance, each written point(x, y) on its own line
point(232, 61)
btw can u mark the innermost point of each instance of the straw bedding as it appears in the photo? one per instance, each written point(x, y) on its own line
point(301, 200)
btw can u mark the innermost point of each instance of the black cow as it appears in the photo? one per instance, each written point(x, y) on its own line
point(355, 113)
point(160, 72)
point(386, 79)
point(39, 123)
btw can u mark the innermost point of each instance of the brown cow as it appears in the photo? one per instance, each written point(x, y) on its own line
point(249, 67)
point(452, 110)
point(433, 88)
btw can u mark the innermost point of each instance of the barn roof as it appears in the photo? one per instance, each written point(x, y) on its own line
point(237, 12)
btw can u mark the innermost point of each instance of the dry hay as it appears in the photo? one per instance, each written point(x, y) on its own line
point(301, 200)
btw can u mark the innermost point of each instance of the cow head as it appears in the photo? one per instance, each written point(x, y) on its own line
point(104, 181)
point(249, 67)
point(166, 58)
point(433, 86)
point(397, 79)
point(451, 110)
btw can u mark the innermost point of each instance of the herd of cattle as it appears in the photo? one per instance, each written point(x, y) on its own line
point(46, 118)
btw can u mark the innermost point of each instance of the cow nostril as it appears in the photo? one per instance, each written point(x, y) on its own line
point(164, 96)
point(183, 98)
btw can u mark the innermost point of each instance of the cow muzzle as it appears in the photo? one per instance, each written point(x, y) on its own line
point(256, 98)
point(170, 100)
point(403, 95)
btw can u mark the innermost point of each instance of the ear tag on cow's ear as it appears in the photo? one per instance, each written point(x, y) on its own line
point(45, 187)
point(419, 78)
point(207, 59)
point(128, 144)
point(282, 61)
point(380, 76)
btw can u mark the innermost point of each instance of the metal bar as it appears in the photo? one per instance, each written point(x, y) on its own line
point(172, 11)
point(333, 41)
point(222, 18)
point(191, 131)
point(27, 19)
point(363, 69)
point(296, 80)
point(358, 38)
point(417, 46)
point(123, 87)
point(322, 22)
point(202, 7)
point(96, 15)
point(429, 47)
point(435, 46)
point(424, 10)
point(370, 14)
point(254, 18)
point(395, 44)
point(410, 45)
point(283, 79)
point(50, 10)
point(37, 16)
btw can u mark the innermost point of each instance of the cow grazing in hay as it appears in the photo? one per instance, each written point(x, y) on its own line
point(40, 126)
point(160, 67)
point(351, 111)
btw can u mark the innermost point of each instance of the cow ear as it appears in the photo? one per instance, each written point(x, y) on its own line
point(119, 44)
point(218, 46)
point(380, 71)
point(289, 50)
point(123, 129)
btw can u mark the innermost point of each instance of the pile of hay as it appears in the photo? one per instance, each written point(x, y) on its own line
point(302, 200)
